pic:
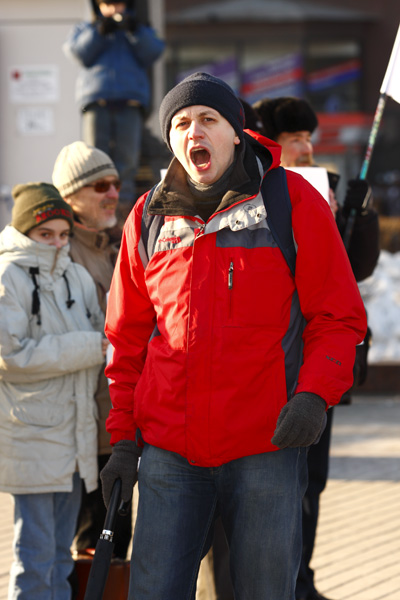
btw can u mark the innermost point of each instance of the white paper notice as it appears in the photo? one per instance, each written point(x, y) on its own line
point(317, 176)
point(35, 120)
point(34, 84)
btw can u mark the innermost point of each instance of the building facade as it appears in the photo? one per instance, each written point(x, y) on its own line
point(334, 54)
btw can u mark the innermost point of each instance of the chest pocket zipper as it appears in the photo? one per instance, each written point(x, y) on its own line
point(230, 288)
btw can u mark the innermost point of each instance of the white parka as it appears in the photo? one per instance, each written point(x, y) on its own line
point(50, 356)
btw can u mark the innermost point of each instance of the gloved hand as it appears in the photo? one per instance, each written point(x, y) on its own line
point(123, 464)
point(106, 25)
point(301, 421)
point(129, 23)
point(357, 195)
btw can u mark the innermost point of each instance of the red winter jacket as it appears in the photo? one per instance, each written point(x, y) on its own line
point(207, 333)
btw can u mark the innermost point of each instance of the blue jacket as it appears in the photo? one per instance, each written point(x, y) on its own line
point(114, 66)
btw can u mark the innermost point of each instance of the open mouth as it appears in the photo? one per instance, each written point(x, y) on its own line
point(200, 157)
point(108, 205)
point(304, 161)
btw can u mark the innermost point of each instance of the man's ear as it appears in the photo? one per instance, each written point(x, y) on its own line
point(69, 199)
point(236, 141)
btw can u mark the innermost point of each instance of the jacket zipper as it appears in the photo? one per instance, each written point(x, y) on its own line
point(230, 276)
point(198, 232)
point(230, 287)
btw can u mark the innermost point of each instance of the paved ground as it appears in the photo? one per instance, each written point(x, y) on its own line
point(357, 556)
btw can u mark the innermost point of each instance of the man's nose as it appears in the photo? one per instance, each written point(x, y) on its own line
point(195, 129)
point(307, 147)
point(113, 192)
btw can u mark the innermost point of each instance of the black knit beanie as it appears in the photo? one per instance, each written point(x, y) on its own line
point(206, 90)
point(285, 114)
point(37, 203)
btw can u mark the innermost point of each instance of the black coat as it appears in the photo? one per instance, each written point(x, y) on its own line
point(363, 250)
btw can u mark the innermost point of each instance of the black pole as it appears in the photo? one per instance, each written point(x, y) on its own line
point(104, 548)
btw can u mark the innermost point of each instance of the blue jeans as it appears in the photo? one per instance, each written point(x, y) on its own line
point(118, 132)
point(259, 500)
point(44, 527)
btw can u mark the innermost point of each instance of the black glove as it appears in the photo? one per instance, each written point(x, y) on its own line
point(129, 23)
point(357, 195)
point(123, 464)
point(301, 421)
point(106, 25)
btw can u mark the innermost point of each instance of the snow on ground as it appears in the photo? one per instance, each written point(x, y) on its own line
point(381, 295)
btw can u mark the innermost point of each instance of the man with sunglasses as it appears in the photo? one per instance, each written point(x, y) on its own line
point(88, 180)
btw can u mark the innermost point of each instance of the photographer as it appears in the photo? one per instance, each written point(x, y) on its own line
point(116, 51)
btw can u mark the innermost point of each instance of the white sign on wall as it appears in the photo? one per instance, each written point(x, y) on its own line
point(34, 84)
point(35, 120)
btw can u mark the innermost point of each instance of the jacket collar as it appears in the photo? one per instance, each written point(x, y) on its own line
point(19, 249)
point(172, 197)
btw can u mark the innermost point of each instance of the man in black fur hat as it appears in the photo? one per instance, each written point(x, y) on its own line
point(291, 122)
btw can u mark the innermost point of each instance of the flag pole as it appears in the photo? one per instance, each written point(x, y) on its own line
point(351, 219)
point(373, 135)
point(387, 88)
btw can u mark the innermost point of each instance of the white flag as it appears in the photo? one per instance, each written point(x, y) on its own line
point(391, 81)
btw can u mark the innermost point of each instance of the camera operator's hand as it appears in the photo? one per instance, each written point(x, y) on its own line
point(122, 464)
point(357, 195)
point(129, 23)
point(301, 421)
point(106, 25)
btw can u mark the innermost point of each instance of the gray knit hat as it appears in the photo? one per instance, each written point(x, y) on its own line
point(79, 164)
point(36, 203)
point(206, 90)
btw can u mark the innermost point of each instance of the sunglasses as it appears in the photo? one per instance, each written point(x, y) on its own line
point(101, 187)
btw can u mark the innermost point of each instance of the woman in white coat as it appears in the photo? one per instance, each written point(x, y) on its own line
point(51, 350)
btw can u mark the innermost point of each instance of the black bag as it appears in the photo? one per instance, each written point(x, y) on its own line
point(361, 363)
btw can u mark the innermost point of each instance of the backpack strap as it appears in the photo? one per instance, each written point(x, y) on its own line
point(276, 198)
point(151, 225)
